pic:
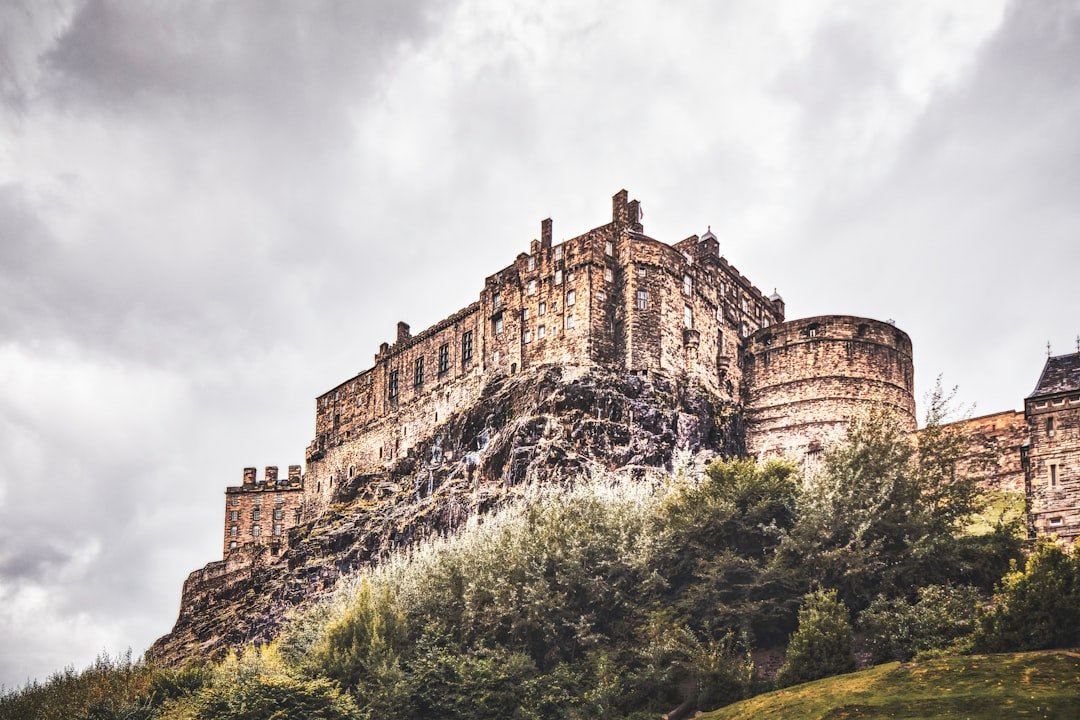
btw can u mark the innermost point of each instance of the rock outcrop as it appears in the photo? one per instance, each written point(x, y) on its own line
point(551, 424)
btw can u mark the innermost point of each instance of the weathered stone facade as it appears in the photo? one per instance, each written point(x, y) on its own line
point(994, 446)
point(807, 379)
point(1052, 454)
point(260, 512)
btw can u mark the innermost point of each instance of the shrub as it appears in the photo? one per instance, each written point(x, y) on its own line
point(822, 645)
point(898, 630)
point(1037, 607)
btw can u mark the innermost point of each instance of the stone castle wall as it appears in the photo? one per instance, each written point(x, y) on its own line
point(994, 445)
point(1053, 464)
point(261, 512)
point(807, 379)
point(612, 298)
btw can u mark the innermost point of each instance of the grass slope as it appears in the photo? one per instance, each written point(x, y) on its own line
point(1013, 685)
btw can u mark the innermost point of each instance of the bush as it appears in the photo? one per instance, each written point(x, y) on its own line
point(822, 645)
point(897, 630)
point(111, 687)
point(1037, 607)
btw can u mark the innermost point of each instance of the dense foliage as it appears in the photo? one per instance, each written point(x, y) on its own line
point(823, 643)
point(621, 598)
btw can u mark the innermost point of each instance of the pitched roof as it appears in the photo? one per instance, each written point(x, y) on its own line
point(1061, 374)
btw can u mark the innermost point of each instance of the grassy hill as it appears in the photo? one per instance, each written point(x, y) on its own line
point(1013, 685)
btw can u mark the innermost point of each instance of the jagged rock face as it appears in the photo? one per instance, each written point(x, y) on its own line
point(550, 424)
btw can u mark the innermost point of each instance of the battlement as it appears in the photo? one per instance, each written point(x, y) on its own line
point(270, 481)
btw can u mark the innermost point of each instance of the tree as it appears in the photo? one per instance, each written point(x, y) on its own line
point(1037, 607)
point(822, 645)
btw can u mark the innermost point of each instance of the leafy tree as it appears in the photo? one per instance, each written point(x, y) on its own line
point(897, 629)
point(822, 645)
point(713, 545)
point(1037, 607)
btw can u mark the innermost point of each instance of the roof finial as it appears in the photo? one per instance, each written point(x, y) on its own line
point(1078, 344)
point(1047, 348)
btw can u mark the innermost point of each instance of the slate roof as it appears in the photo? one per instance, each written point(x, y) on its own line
point(1061, 374)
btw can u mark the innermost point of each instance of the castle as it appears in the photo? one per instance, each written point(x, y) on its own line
point(616, 299)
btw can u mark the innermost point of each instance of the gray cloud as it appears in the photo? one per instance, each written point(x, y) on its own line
point(210, 213)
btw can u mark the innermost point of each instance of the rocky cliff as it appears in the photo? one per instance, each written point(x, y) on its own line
point(550, 424)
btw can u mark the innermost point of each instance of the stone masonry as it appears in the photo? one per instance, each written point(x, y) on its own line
point(1052, 454)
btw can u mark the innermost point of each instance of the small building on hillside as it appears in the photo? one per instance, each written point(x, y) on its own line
point(1051, 455)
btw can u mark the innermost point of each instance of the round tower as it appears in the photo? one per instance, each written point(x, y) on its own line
point(807, 379)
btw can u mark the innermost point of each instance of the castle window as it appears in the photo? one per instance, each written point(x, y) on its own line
point(256, 531)
point(525, 314)
point(258, 501)
point(527, 336)
point(466, 347)
point(570, 276)
point(1053, 475)
point(1055, 522)
point(745, 305)
point(232, 544)
point(558, 277)
point(234, 515)
point(541, 331)
point(532, 262)
point(558, 253)
point(392, 387)
point(277, 528)
point(601, 295)
point(608, 275)
point(571, 298)
point(542, 310)
point(279, 513)
point(569, 322)
point(688, 316)
point(641, 271)
point(444, 358)
point(532, 287)
point(687, 285)
point(279, 499)
point(497, 324)
point(609, 248)
point(234, 531)
point(495, 357)
point(642, 299)
point(255, 514)
point(496, 299)
point(1050, 426)
point(418, 372)
point(296, 515)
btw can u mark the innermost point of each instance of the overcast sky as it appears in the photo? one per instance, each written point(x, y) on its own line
point(210, 212)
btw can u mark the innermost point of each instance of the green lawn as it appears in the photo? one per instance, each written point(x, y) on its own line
point(1011, 685)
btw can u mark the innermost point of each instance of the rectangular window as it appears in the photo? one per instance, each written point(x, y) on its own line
point(688, 316)
point(496, 299)
point(495, 357)
point(642, 299)
point(466, 347)
point(569, 322)
point(745, 305)
point(571, 298)
point(558, 277)
point(277, 528)
point(558, 253)
point(234, 515)
point(256, 531)
point(418, 372)
point(1055, 522)
point(444, 358)
point(279, 499)
point(525, 314)
point(234, 531)
point(234, 500)
point(532, 287)
point(255, 514)
point(609, 248)
point(279, 513)
point(1053, 476)
point(532, 262)
point(601, 295)
point(392, 387)
point(296, 515)
point(641, 271)
point(232, 544)
point(541, 331)
point(687, 285)
point(497, 324)
point(1050, 426)
point(570, 276)
point(608, 275)
point(542, 310)
point(527, 336)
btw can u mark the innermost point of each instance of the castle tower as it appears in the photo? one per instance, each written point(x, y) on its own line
point(1052, 457)
point(807, 379)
